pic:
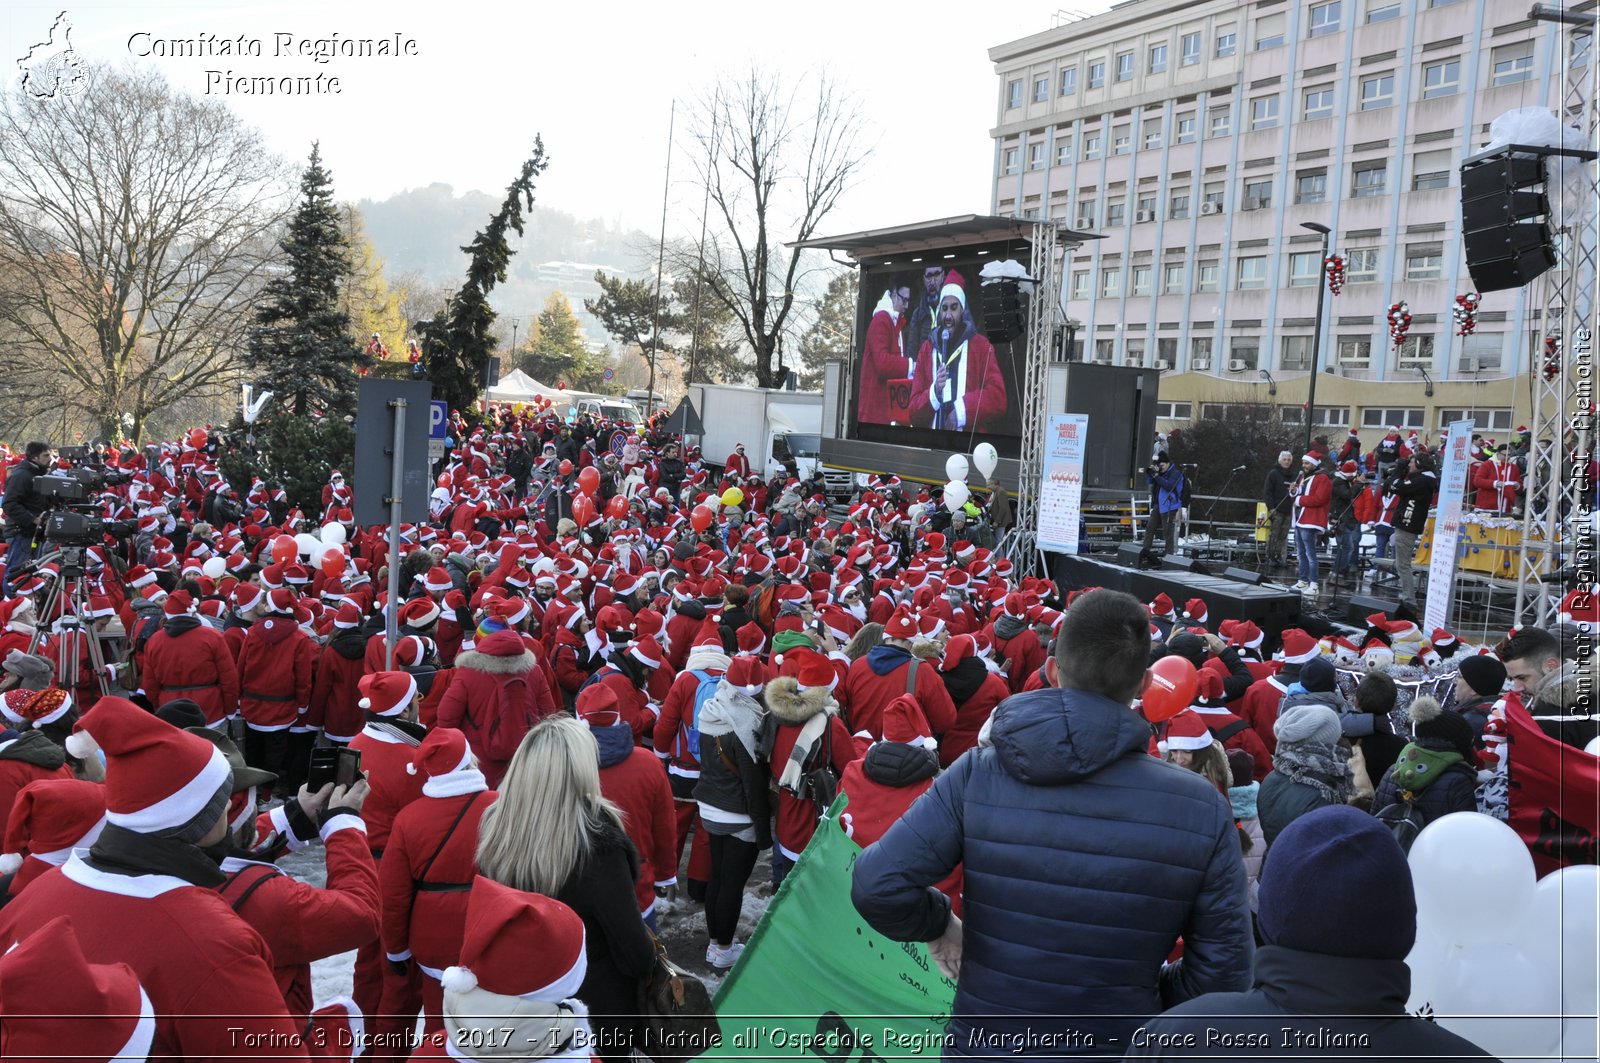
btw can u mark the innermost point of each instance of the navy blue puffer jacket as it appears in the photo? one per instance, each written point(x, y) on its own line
point(1085, 859)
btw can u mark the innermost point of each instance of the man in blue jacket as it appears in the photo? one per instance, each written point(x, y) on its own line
point(1085, 860)
point(1166, 500)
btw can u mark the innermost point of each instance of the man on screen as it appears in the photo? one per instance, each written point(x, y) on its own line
point(884, 358)
point(957, 385)
point(924, 317)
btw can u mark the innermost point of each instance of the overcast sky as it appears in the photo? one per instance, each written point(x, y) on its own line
point(596, 79)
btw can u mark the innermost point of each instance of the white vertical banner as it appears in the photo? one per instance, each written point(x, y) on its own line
point(1061, 492)
point(1447, 524)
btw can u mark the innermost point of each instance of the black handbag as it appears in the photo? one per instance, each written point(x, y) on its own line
point(675, 1012)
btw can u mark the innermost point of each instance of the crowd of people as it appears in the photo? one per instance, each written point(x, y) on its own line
point(612, 653)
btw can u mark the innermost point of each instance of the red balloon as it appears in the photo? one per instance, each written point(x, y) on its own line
point(589, 480)
point(333, 563)
point(700, 518)
point(583, 509)
point(617, 508)
point(284, 550)
point(1173, 682)
point(565, 467)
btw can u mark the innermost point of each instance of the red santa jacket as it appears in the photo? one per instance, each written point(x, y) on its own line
point(976, 394)
point(880, 787)
point(1259, 708)
point(208, 974)
point(1236, 733)
point(497, 693)
point(789, 710)
point(301, 923)
point(973, 712)
point(737, 464)
point(1311, 497)
point(632, 778)
point(883, 359)
point(427, 870)
point(668, 736)
point(335, 698)
point(25, 758)
point(1020, 655)
point(1497, 482)
point(632, 703)
point(187, 659)
point(275, 674)
point(387, 748)
point(881, 676)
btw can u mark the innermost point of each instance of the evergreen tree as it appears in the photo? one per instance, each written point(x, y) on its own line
point(557, 354)
point(829, 336)
point(300, 346)
point(627, 310)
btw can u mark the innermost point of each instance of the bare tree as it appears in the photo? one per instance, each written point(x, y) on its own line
point(135, 224)
point(774, 163)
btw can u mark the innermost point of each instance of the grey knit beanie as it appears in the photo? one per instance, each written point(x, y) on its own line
point(1316, 724)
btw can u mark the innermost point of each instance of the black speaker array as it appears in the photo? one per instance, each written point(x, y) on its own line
point(1503, 226)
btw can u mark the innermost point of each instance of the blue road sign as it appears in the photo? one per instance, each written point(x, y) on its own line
point(438, 419)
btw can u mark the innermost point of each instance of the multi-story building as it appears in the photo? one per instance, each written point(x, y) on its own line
point(1197, 137)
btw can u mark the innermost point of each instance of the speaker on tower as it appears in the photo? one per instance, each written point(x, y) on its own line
point(1503, 219)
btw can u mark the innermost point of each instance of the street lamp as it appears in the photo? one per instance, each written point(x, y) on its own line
point(1316, 336)
point(1272, 385)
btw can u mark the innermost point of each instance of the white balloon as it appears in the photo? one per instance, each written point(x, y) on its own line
point(955, 467)
point(1565, 903)
point(305, 542)
point(214, 567)
point(1593, 748)
point(955, 495)
point(986, 458)
point(1479, 986)
point(333, 534)
point(314, 559)
point(1462, 858)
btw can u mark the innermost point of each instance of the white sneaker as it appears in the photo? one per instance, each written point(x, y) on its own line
point(1299, 585)
point(723, 958)
point(1311, 590)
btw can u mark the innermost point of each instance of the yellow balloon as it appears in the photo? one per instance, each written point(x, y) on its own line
point(732, 496)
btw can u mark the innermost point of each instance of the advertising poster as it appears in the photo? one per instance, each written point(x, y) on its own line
point(1447, 524)
point(1061, 493)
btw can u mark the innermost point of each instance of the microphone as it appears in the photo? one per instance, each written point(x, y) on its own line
point(1240, 468)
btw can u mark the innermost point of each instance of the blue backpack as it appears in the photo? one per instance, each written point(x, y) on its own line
point(686, 746)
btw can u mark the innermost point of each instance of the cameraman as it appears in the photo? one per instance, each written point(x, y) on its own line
point(1415, 482)
point(1166, 499)
point(23, 510)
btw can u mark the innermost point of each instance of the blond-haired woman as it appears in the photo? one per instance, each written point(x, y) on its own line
point(551, 832)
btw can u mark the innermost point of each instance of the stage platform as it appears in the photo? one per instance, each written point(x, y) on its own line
point(1271, 607)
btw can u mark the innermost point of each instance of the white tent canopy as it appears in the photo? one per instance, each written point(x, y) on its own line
point(517, 386)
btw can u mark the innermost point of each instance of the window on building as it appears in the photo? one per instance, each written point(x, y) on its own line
point(1014, 93)
point(1361, 265)
point(1041, 89)
point(1036, 156)
point(1152, 134)
point(1511, 63)
point(1227, 42)
point(1209, 276)
point(1244, 354)
point(1424, 262)
point(1404, 417)
point(1305, 269)
point(1147, 206)
point(1141, 280)
point(1319, 103)
point(1200, 353)
point(1296, 354)
point(1325, 416)
point(1442, 3)
point(1269, 31)
point(1116, 212)
point(1382, 10)
point(1189, 49)
point(1186, 128)
point(1097, 74)
point(1120, 140)
point(1105, 351)
point(1166, 354)
point(1311, 187)
point(1064, 149)
point(1011, 160)
point(1178, 205)
point(1369, 178)
point(1088, 211)
point(1069, 80)
point(1430, 169)
point(1252, 273)
point(1484, 350)
point(1325, 18)
point(1257, 193)
point(1133, 352)
point(1221, 120)
point(1080, 284)
point(1111, 281)
point(1172, 278)
point(1377, 90)
point(1442, 78)
point(1092, 143)
point(1355, 352)
point(1125, 66)
point(1158, 59)
point(1264, 112)
point(1486, 420)
point(1216, 193)
point(1416, 351)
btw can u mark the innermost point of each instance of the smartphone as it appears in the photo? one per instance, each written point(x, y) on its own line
point(333, 764)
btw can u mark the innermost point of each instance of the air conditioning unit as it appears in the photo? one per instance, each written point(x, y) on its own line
point(1470, 365)
point(1133, 362)
point(1145, 215)
point(1161, 364)
point(1084, 223)
point(1211, 208)
point(1256, 203)
point(1200, 365)
point(1238, 365)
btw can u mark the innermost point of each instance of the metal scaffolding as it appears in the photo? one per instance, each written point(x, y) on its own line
point(1043, 308)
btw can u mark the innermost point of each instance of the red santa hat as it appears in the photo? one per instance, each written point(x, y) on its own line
point(44, 707)
point(348, 616)
point(646, 652)
point(1195, 609)
point(178, 603)
point(437, 579)
point(1161, 605)
point(816, 672)
point(246, 596)
point(139, 576)
point(50, 818)
point(751, 639)
point(1247, 634)
point(905, 723)
point(1186, 731)
point(280, 600)
point(902, 624)
point(158, 779)
point(514, 944)
point(1580, 606)
point(745, 674)
point(419, 612)
point(1376, 655)
point(1441, 638)
point(47, 975)
point(448, 765)
point(386, 693)
point(1298, 646)
point(597, 706)
point(412, 650)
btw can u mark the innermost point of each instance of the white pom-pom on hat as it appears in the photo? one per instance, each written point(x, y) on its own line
point(10, 863)
point(364, 703)
point(81, 744)
point(458, 980)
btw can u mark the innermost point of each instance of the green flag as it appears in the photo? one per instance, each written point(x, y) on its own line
point(816, 981)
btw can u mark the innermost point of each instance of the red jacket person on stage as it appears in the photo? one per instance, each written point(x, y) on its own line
point(957, 385)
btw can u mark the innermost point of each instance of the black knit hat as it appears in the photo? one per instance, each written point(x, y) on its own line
point(1484, 674)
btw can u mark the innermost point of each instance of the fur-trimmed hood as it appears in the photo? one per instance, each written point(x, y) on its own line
point(511, 665)
point(788, 704)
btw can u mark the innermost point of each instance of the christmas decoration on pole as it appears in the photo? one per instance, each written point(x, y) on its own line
point(1552, 357)
point(1399, 322)
point(1465, 313)
point(1334, 266)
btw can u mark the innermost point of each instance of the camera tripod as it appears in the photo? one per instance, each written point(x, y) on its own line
point(70, 592)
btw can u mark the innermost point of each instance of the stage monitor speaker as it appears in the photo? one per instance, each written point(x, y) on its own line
point(1243, 575)
point(1361, 606)
point(1121, 405)
point(1503, 210)
point(1128, 554)
point(1179, 563)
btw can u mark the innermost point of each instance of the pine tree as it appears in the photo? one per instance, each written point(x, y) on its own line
point(557, 354)
point(829, 336)
point(300, 346)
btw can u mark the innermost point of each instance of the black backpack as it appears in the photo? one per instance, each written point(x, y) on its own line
point(1404, 820)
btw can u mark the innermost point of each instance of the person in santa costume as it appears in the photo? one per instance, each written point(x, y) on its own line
point(889, 670)
point(58, 1005)
point(275, 666)
point(884, 358)
point(1312, 494)
point(340, 665)
point(189, 659)
point(144, 893)
point(1497, 483)
point(1016, 645)
point(1259, 705)
point(497, 693)
point(28, 754)
point(738, 463)
point(49, 819)
point(957, 384)
point(1211, 706)
point(428, 867)
point(804, 732)
point(513, 995)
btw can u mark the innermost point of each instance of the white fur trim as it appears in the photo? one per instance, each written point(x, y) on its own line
point(466, 779)
point(181, 806)
point(80, 744)
point(142, 886)
point(144, 1033)
point(10, 863)
point(397, 957)
point(343, 821)
point(458, 980)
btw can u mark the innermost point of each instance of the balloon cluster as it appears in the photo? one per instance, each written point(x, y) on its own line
point(1334, 265)
point(1399, 322)
point(1466, 313)
point(958, 468)
point(1552, 358)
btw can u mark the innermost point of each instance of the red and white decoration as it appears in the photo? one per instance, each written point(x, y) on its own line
point(1334, 266)
point(1399, 322)
point(1465, 312)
